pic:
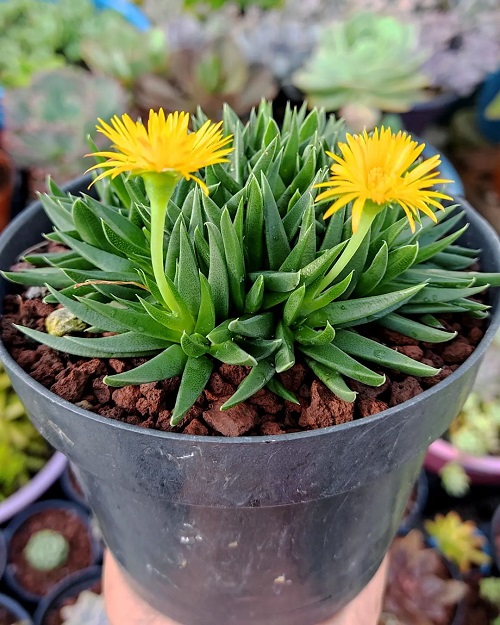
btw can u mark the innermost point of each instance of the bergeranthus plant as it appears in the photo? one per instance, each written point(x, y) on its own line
point(211, 245)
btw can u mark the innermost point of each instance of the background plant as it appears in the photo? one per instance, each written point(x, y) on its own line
point(459, 541)
point(22, 449)
point(355, 61)
point(252, 271)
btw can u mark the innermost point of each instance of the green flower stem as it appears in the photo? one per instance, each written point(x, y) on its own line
point(159, 188)
point(370, 211)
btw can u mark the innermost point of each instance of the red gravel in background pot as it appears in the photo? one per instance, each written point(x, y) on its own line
point(47, 542)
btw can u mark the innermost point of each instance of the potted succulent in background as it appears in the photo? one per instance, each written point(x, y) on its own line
point(74, 601)
point(352, 69)
point(47, 542)
point(26, 467)
point(421, 587)
point(470, 451)
point(232, 292)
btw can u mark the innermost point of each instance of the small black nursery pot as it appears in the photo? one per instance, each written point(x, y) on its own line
point(281, 530)
point(495, 536)
point(12, 613)
point(416, 504)
point(67, 591)
point(3, 555)
point(71, 487)
point(47, 542)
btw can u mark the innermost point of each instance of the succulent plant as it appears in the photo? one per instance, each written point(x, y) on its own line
point(88, 610)
point(22, 449)
point(46, 550)
point(420, 590)
point(252, 274)
point(123, 53)
point(368, 60)
point(489, 590)
point(475, 432)
point(459, 541)
point(206, 77)
point(463, 43)
point(49, 121)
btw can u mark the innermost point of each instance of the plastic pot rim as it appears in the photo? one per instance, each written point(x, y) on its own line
point(23, 220)
point(31, 491)
point(16, 608)
point(63, 589)
point(442, 451)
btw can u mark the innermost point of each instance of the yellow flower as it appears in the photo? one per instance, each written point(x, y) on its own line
point(164, 145)
point(380, 169)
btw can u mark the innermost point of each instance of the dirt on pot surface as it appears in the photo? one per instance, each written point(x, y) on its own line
point(6, 617)
point(54, 616)
point(80, 381)
point(67, 523)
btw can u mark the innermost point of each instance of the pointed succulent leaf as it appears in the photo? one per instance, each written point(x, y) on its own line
point(232, 354)
point(206, 315)
point(277, 244)
point(293, 305)
point(332, 380)
point(255, 297)
point(194, 345)
point(168, 364)
point(258, 377)
point(374, 273)
point(256, 326)
point(235, 261)
point(415, 329)
point(278, 281)
point(217, 275)
point(429, 251)
point(307, 336)
point(285, 356)
point(196, 374)
point(275, 386)
point(362, 347)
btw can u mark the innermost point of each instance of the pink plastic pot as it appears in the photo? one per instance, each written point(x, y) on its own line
point(480, 469)
point(29, 493)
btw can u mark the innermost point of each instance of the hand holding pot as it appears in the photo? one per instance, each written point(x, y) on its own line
point(124, 607)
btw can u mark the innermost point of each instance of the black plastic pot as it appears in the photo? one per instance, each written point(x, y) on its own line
point(495, 536)
point(422, 115)
point(50, 504)
point(3, 555)
point(70, 587)
point(415, 513)
point(253, 530)
point(69, 482)
point(15, 609)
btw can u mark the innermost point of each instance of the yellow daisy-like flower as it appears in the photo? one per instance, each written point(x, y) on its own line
point(164, 145)
point(380, 169)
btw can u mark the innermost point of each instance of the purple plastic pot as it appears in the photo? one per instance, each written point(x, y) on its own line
point(68, 588)
point(480, 469)
point(15, 609)
point(50, 504)
point(34, 489)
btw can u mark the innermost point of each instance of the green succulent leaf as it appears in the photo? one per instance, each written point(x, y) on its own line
point(196, 374)
point(332, 380)
point(168, 364)
point(258, 377)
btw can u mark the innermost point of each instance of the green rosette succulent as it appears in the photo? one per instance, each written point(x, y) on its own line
point(240, 266)
point(368, 60)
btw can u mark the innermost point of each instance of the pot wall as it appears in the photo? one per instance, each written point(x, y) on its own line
point(262, 530)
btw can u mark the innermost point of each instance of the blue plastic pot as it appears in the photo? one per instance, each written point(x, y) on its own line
point(10, 577)
point(15, 609)
point(489, 128)
point(68, 588)
point(129, 11)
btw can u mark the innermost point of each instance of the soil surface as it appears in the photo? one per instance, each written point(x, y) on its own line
point(80, 381)
point(6, 617)
point(71, 527)
point(54, 616)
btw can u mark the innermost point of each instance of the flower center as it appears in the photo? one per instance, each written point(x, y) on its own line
point(380, 184)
